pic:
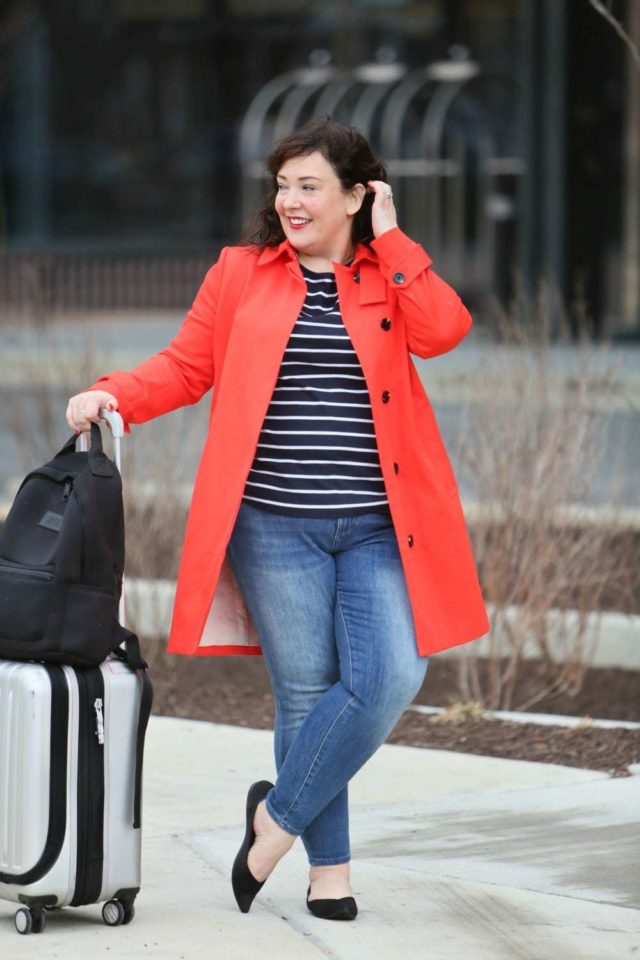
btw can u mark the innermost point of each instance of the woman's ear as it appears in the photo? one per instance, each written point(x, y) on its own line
point(356, 196)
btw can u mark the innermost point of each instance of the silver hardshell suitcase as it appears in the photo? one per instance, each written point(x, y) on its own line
point(71, 748)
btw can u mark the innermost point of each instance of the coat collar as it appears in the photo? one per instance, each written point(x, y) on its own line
point(287, 252)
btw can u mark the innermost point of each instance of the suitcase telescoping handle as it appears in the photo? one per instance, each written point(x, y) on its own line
point(116, 423)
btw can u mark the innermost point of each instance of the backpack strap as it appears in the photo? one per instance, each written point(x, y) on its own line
point(143, 719)
point(131, 654)
point(132, 657)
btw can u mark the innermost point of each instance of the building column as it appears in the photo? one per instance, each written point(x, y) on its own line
point(542, 140)
point(30, 159)
point(631, 192)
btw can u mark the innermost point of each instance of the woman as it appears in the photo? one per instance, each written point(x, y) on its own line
point(325, 529)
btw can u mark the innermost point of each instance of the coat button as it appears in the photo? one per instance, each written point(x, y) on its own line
point(398, 277)
point(396, 467)
point(410, 540)
point(386, 396)
point(356, 278)
point(385, 324)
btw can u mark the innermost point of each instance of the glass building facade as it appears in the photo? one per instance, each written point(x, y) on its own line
point(122, 126)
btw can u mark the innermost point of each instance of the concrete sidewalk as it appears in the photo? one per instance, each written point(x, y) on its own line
point(454, 856)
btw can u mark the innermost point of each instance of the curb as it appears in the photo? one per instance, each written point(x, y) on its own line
point(543, 719)
point(150, 602)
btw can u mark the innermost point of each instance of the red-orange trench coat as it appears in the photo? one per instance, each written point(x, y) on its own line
point(233, 340)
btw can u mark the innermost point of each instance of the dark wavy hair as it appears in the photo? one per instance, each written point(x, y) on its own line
point(350, 155)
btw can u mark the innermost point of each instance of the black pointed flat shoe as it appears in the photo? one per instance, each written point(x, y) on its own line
point(245, 886)
point(343, 908)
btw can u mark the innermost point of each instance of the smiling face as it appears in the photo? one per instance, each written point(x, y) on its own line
point(315, 212)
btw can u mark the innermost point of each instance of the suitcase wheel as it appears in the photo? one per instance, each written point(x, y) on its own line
point(30, 921)
point(116, 912)
point(113, 913)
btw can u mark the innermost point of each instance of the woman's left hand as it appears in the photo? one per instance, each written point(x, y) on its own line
point(383, 212)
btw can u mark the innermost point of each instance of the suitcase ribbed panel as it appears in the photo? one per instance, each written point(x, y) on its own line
point(25, 719)
point(91, 799)
point(122, 848)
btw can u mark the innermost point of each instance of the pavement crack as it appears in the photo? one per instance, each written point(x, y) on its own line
point(301, 929)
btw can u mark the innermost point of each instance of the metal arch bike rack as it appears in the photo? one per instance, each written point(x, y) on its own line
point(380, 81)
point(328, 103)
point(254, 140)
point(433, 153)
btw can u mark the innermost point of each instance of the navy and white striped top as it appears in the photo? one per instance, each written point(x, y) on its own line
point(317, 454)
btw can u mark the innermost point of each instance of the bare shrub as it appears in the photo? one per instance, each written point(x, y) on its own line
point(158, 469)
point(529, 445)
point(40, 366)
point(42, 363)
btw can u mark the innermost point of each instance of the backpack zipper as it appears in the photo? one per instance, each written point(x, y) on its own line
point(17, 570)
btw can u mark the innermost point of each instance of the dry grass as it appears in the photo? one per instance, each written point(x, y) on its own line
point(38, 370)
point(531, 446)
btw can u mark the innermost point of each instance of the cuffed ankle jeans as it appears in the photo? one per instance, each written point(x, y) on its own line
point(328, 599)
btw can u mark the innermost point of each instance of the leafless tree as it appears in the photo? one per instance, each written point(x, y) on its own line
point(605, 11)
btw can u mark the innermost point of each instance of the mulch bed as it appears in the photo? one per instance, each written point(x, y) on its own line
point(595, 748)
point(236, 690)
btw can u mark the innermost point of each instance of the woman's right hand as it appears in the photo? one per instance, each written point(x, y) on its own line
point(83, 409)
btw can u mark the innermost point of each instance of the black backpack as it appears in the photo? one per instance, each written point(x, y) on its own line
point(62, 560)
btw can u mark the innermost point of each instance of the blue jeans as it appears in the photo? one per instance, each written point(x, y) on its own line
point(329, 601)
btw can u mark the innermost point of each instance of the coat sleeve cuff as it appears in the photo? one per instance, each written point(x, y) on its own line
point(401, 258)
point(110, 385)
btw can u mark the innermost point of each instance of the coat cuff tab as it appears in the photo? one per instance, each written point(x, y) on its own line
point(401, 258)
